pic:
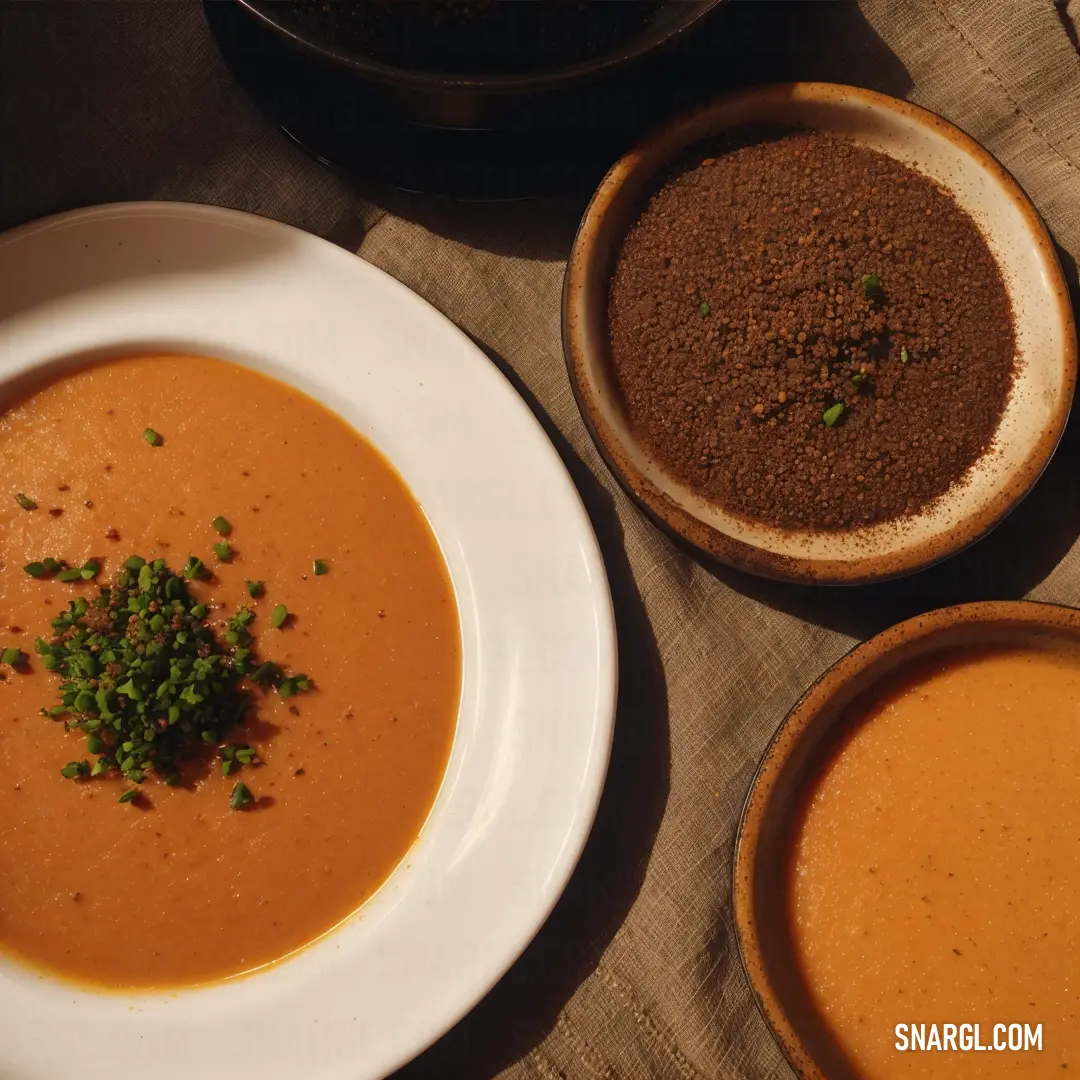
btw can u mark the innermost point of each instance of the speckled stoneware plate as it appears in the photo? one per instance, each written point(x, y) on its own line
point(1038, 406)
point(537, 636)
point(793, 761)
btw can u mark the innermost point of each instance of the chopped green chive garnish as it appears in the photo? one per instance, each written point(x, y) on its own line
point(87, 572)
point(234, 757)
point(857, 380)
point(25, 501)
point(146, 679)
point(280, 614)
point(128, 795)
point(223, 551)
point(267, 674)
point(255, 589)
point(320, 567)
point(45, 568)
point(904, 356)
point(14, 656)
point(221, 526)
point(193, 568)
point(871, 284)
point(704, 308)
point(240, 797)
point(832, 414)
point(152, 437)
point(296, 684)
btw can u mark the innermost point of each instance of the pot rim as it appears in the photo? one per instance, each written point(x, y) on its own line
point(405, 78)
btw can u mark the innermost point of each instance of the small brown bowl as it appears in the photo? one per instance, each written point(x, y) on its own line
point(1038, 405)
point(794, 758)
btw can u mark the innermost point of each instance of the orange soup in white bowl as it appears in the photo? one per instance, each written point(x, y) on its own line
point(313, 654)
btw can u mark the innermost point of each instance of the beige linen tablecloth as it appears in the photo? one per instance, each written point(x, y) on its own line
point(635, 975)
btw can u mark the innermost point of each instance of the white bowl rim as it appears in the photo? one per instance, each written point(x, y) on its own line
point(573, 572)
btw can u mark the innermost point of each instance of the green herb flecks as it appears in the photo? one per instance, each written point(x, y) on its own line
point(46, 568)
point(904, 356)
point(14, 657)
point(871, 284)
point(240, 797)
point(704, 308)
point(25, 501)
point(295, 684)
point(194, 568)
point(152, 437)
point(221, 526)
point(279, 616)
point(223, 551)
point(146, 678)
point(87, 572)
point(255, 589)
point(129, 795)
point(267, 674)
point(320, 567)
point(833, 414)
point(233, 756)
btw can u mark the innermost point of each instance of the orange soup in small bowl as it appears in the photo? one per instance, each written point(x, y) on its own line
point(908, 863)
point(243, 637)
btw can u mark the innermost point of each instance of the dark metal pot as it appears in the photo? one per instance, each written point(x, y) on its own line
point(473, 99)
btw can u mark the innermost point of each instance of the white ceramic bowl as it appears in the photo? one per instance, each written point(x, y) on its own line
point(1046, 338)
point(538, 696)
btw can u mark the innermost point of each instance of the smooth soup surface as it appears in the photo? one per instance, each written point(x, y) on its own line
point(936, 876)
point(186, 890)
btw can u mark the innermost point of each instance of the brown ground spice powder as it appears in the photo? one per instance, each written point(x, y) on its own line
point(809, 333)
